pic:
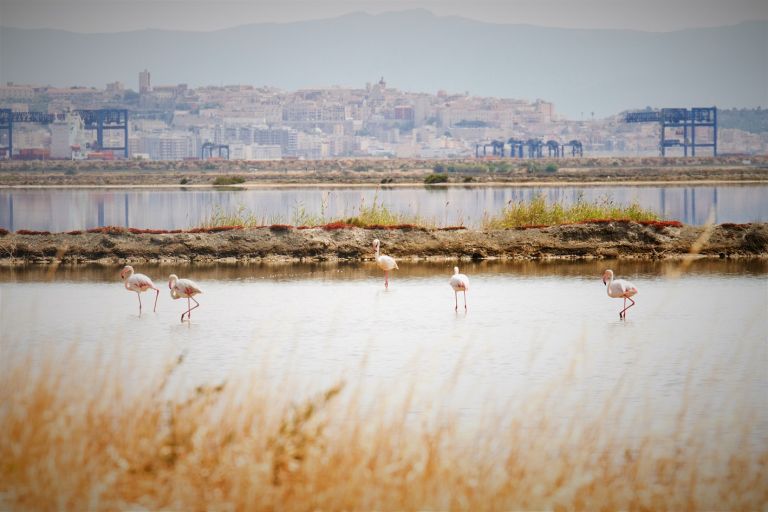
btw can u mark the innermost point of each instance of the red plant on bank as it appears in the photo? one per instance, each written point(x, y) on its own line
point(31, 232)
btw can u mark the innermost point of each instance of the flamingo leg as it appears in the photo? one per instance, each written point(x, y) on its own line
point(465, 300)
point(456, 298)
point(188, 312)
point(624, 311)
point(386, 279)
point(156, 296)
point(139, 296)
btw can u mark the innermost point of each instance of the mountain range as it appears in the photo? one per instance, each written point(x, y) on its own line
point(581, 71)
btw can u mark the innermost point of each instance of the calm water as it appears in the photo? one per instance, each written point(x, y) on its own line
point(67, 209)
point(698, 340)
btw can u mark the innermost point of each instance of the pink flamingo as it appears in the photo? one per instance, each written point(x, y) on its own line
point(384, 262)
point(138, 283)
point(619, 289)
point(459, 283)
point(184, 288)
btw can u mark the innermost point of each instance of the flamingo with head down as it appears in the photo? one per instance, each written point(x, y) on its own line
point(184, 289)
point(138, 283)
point(619, 289)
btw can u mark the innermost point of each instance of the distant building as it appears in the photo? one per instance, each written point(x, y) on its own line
point(144, 84)
point(404, 113)
point(65, 135)
point(16, 92)
point(115, 88)
point(286, 138)
point(168, 146)
point(240, 151)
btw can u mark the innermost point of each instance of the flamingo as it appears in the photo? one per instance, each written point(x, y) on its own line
point(459, 283)
point(619, 289)
point(385, 263)
point(138, 283)
point(184, 288)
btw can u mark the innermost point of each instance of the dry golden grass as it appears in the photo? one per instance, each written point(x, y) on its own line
point(75, 439)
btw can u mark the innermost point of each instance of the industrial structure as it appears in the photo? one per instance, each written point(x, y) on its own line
point(208, 148)
point(688, 123)
point(532, 148)
point(101, 120)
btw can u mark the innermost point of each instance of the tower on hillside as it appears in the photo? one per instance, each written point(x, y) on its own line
point(144, 84)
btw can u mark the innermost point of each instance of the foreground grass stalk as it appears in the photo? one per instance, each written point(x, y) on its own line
point(73, 439)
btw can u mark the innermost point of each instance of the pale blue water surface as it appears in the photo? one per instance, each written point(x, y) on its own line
point(532, 330)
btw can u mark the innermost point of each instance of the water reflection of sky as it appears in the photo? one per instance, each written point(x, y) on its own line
point(64, 209)
point(696, 342)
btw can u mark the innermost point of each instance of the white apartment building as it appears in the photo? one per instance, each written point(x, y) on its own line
point(240, 151)
point(168, 146)
point(65, 134)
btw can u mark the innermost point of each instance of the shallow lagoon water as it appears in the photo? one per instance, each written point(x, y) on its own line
point(532, 329)
point(70, 209)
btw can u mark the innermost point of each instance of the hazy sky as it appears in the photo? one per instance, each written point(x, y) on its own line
point(122, 15)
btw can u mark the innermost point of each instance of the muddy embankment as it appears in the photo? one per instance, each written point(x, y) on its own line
point(616, 239)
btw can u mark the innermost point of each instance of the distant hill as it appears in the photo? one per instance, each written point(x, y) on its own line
point(754, 120)
point(581, 71)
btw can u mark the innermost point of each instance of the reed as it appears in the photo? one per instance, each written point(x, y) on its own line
point(378, 214)
point(240, 216)
point(538, 212)
point(534, 213)
point(75, 439)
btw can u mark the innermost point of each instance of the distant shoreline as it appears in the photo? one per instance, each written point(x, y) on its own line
point(405, 185)
point(385, 172)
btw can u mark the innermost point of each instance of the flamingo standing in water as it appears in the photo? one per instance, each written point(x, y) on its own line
point(619, 289)
point(385, 263)
point(459, 283)
point(184, 289)
point(138, 283)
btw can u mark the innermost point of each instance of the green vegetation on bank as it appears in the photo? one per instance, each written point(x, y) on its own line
point(433, 179)
point(363, 215)
point(538, 212)
point(242, 216)
point(379, 215)
point(474, 167)
point(228, 180)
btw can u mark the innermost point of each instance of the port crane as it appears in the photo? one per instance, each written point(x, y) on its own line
point(100, 120)
point(691, 122)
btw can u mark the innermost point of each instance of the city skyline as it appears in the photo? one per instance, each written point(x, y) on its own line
point(242, 122)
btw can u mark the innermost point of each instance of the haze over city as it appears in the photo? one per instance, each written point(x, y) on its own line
point(230, 233)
